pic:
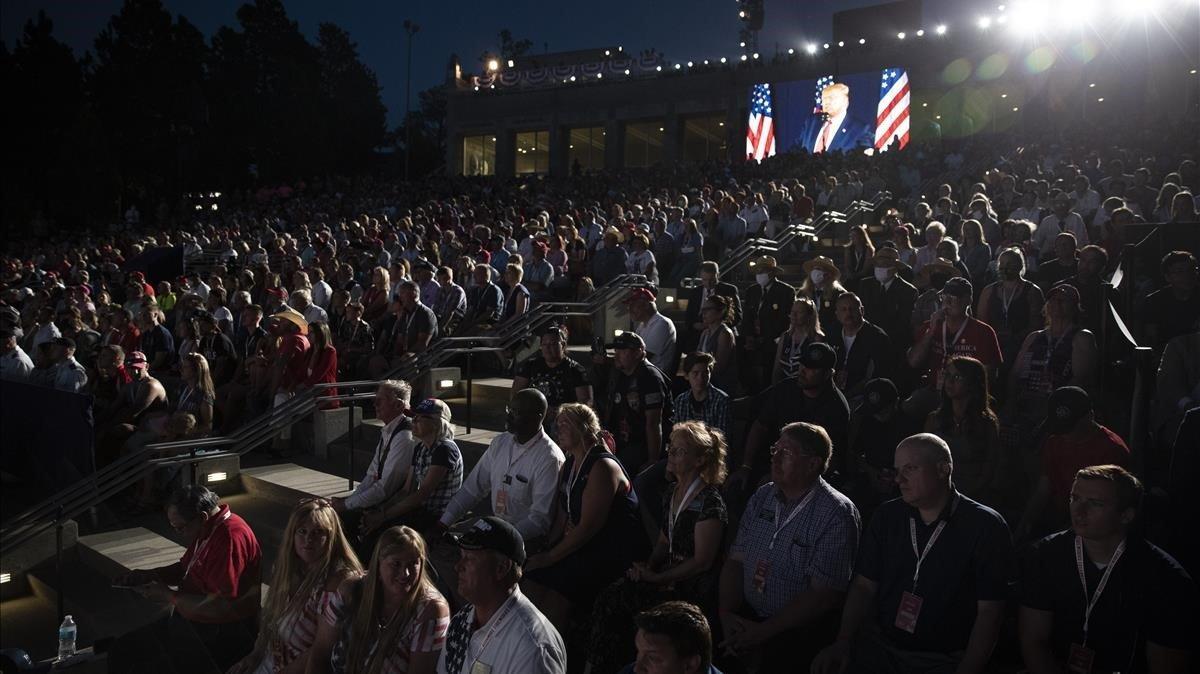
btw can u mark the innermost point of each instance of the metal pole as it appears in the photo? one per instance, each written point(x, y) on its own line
point(469, 387)
point(58, 573)
point(410, 28)
point(350, 454)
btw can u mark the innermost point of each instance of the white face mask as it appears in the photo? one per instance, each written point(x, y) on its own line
point(882, 274)
point(763, 279)
point(817, 276)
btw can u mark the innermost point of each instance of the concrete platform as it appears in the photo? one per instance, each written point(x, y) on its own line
point(288, 483)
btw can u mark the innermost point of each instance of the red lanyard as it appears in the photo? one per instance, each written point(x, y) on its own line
point(1093, 598)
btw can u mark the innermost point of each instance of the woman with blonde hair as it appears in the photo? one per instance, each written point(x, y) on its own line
point(393, 620)
point(683, 565)
point(375, 299)
point(597, 531)
point(314, 559)
point(805, 327)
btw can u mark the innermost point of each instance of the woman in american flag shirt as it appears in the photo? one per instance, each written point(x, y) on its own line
point(314, 561)
point(389, 622)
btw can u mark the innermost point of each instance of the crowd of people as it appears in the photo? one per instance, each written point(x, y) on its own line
point(903, 462)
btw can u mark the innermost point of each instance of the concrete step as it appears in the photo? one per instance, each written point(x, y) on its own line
point(288, 483)
point(31, 624)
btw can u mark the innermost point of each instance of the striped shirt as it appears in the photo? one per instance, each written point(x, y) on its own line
point(295, 632)
point(424, 633)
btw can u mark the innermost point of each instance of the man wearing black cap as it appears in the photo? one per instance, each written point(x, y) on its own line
point(950, 331)
point(811, 397)
point(68, 375)
point(638, 411)
point(877, 425)
point(499, 631)
point(768, 303)
point(1072, 440)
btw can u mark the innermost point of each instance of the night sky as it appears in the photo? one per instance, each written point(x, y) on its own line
point(682, 29)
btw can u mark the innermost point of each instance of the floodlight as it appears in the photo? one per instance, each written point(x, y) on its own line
point(810, 48)
point(791, 51)
point(841, 43)
point(493, 65)
point(940, 30)
point(921, 33)
point(984, 22)
point(901, 35)
point(862, 40)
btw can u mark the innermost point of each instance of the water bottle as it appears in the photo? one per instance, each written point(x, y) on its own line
point(66, 638)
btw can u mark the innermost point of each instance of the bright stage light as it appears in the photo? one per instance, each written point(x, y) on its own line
point(810, 48)
point(756, 55)
point(921, 33)
point(493, 65)
point(722, 59)
point(862, 40)
point(658, 69)
point(690, 64)
point(791, 51)
point(901, 35)
point(742, 44)
point(743, 57)
point(940, 30)
point(627, 71)
point(841, 43)
point(1016, 109)
point(510, 63)
point(984, 22)
point(677, 66)
point(827, 45)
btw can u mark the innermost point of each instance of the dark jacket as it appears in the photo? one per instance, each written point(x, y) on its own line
point(766, 310)
point(890, 310)
point(870, 356)
point(695, 299)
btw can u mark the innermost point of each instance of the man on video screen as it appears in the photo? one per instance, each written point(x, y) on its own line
point(836, 128)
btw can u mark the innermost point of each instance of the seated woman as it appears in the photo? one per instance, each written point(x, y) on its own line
point(314, 560)
point(434, 477)
point(683, 563)
point(966, 422)
point(597, 532)
point(516, 295)
point(322, 362)
point(805, 327)
point(391, 621)
point(716, 339)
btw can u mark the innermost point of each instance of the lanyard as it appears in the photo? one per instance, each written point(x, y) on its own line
point(387, 448)
point(795, 511)
point(920, 554)
point(673, 513)
point(204, 544)
point(945, 347)
point(1007, 301)
point(1093, 599)
point(495, 622)
point(572, 481)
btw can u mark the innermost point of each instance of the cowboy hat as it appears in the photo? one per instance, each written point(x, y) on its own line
point(823, 263)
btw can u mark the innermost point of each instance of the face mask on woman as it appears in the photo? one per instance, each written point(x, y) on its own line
point(817, 276)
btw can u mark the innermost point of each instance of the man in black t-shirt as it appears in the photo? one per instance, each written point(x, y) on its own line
point(1144, 613)
point(560, 378)
point(638, 411)
point(1173, 310)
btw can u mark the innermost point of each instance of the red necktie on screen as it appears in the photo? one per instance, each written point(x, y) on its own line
point(823, 137)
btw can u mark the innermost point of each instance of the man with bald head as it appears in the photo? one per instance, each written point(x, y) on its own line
point(932, 568)
point(518, 474)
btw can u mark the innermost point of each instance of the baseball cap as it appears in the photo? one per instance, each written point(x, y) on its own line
point(958, 286)
point(489, 533)
point(432, 407)
point(65, 342)
point(878, 394)
point(136, 359)
point(626, 340)
point(640, 294)
point(1065, 407)
point(818, 355)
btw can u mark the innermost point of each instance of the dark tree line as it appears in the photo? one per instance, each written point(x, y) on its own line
point(155, 110)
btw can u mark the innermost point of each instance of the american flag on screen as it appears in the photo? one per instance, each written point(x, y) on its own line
point(822, 82)
point(760, 134)
point(891, 121)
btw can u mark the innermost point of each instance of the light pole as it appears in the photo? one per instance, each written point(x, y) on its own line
point(410, 28)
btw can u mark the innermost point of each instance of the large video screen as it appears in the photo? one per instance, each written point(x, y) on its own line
point(863, 112)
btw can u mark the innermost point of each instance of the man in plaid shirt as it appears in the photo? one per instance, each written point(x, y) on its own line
point(703, 402)
point(792, 561)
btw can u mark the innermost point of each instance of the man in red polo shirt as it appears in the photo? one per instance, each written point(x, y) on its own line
point(218, 578)
point(951, 331)
point(1073, 441)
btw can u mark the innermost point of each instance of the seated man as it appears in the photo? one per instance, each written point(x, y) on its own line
point(789, 568)
point(499, 631)
point(1136, 601)
point(932, 576)
point(673, 638)
point(218, 578)
point(518, 474)
point(393, 456)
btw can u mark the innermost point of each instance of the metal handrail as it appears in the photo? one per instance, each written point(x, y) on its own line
point(126, 471)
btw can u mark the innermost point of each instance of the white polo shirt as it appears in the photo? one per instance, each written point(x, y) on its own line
point(517, 639)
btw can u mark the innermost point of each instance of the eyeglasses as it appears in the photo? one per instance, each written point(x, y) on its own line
point(779, 449)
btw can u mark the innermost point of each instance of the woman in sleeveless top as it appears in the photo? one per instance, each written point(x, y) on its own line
point(597, 531)
point(198, 394)
point(1012, 305)
point(683, 565)
point(966, 422)
point(1062, 354)
point(805, 328)
point(313, 561)
point(390, 622)
point(516, 299)
point(717, 340)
